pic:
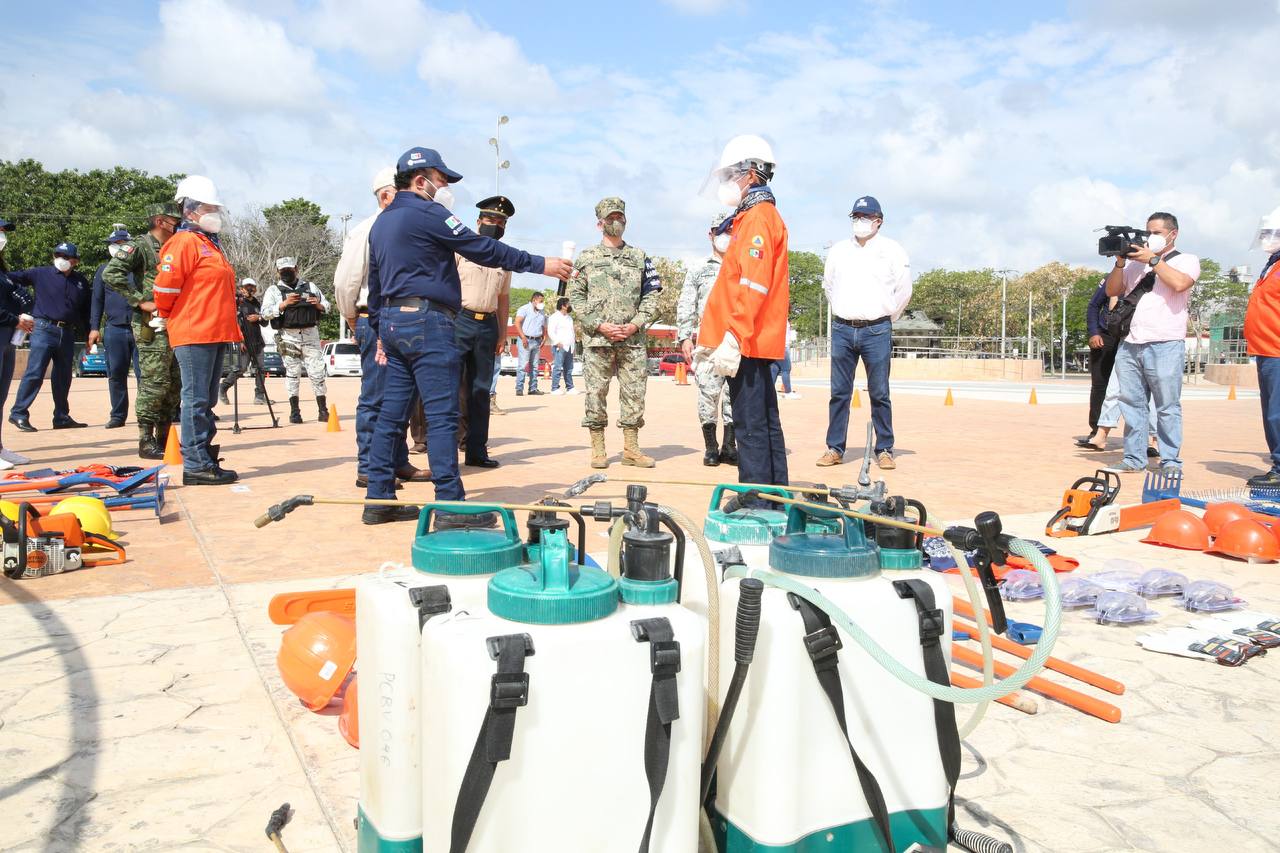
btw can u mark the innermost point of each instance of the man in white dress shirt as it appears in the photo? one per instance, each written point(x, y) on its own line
point(867, 280)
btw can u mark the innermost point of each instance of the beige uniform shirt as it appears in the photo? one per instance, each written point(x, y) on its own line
point(351, 277)
point(481, 286)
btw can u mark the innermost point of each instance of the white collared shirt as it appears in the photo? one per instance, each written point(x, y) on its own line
point(867, 282)
point(560, 331)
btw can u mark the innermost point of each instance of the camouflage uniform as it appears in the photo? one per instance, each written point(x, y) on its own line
point(713, 390)
point(160, 386)
point(614, 286)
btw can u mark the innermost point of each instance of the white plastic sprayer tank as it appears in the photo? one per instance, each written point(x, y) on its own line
point(786, 780)
point(576, 777)
point(390, 609)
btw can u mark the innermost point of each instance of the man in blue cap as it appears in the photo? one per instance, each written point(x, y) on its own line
point(61, 306)
point(867, 280)
point(117, 334)
point(414, 295)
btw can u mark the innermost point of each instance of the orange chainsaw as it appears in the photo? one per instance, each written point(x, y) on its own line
point(1088, 508)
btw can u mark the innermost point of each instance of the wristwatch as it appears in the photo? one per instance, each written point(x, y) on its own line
point(1152, 263)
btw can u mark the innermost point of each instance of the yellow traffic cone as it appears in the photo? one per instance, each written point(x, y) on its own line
point(857, 399)
point(173, 447)
point(333, 425)
point(1032, 401)
point(1231, 395)
point(948, 401)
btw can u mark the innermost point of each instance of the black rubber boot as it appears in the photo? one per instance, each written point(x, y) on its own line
point(712, 456)
point(324, 408)
point(295, 414)
point(148, 447)
point(729, 449)
point(223, 387)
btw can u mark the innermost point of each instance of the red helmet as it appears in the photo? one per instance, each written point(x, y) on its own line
point(1216, 515)
point(1179, 529)
point(1247, 539)
point(315, 656)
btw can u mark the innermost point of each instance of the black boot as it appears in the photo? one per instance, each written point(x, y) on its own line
point(148, 446)
point(259, 399)
point(324, 408)
point(729, 449)
point(295, 414)
point(223, 387)
point(712, 456)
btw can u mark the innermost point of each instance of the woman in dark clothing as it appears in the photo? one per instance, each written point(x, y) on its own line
point(15, 308)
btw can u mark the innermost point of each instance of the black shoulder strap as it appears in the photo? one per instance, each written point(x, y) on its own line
point(664, 708)
point(823, 644)
point(936, 668)
point(508, 691)
point(1148, 282)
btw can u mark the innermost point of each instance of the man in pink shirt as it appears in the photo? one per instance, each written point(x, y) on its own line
point(1158, 278)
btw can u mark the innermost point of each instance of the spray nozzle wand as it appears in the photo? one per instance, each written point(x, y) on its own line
point(990, 546)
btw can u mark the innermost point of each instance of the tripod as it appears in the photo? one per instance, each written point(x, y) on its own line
point(260, 383)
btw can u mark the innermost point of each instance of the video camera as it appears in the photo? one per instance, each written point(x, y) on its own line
point(1121, 240)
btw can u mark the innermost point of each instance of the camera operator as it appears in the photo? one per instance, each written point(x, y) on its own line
point(249, 356)
point(294, 305)
point(1156, 279)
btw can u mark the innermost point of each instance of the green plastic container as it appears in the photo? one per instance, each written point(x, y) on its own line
point(466, 551)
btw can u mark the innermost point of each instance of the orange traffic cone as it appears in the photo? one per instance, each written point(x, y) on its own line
point(1231, 394)
point(682, 373)
point(173, 447)
point(1032, 401)
point(333, 425)
point(948, 401)
point(857, 399)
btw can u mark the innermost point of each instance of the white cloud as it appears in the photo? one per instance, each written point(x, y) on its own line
point(462, 56)
point(699, 7)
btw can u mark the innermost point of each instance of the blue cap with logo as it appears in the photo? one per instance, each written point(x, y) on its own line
point(67, 250)
point(425, 158)
point(6, 225)
point(118, 236)
point(866, 206)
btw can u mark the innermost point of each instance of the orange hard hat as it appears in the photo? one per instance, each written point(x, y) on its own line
point(1216, 515)
point(316, 654)
point(349, 719)
point(1179, 529)
point(1247, 539)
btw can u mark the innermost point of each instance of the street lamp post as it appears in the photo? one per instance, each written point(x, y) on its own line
point(1004, 297)
point(1064, 332)
point(1028, 324)
point(499, 163)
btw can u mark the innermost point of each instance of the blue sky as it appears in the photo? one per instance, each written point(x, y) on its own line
point(994, 134)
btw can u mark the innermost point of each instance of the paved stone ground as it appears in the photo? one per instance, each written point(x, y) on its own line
point(141, 709)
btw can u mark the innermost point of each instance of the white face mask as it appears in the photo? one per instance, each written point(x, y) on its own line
point(4, 240)
point(721, 242)
point(864, 228)
point(62, 264)
point(1156, 243)
point(444, 196)
point(210, 223)
point(1270, 245)
point(729, 193)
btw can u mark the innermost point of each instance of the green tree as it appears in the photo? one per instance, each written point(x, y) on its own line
point(807, 299)
point(1215, 293)
point(296, 209)
point(50, 207)
point(964, 302)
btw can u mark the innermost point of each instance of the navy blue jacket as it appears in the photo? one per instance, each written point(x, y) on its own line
point(105, 299)
point(1096, 305)
point(14, 300)
point(411, 248)
point(58, 297)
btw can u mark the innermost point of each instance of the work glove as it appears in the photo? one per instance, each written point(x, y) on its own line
point(726, 357)
point(157, 323)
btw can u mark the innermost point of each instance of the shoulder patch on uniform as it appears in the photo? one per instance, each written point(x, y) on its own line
point(167, 258)
point(452, 222)
point(757, 240)
point(166, 267)
point(755, 253)
point(127, 248)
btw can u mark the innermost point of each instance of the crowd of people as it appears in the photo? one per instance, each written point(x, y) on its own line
point(428, 300)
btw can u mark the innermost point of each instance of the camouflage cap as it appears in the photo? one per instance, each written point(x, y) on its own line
point(612, 204)
point(163, 208)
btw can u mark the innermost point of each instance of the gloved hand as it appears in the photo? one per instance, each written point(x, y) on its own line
point(726, 357)
point(157, 323)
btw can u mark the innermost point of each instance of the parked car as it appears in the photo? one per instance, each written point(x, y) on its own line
point(342, 359)
point(668, 364)
point(509, 365)
point(272, 363)
point(89, 363)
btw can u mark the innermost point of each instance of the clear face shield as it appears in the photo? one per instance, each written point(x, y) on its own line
point(1267, 238)
point(723, 184)
point(209, 218)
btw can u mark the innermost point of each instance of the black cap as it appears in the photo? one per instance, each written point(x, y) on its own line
point(497, 205)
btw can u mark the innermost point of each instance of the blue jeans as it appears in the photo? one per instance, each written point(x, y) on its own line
point(373, 379)
point(782, 367)
point(1268, 385)
point(49, 343)
point(561, 365)
point(874, 344)
point(1153, 369)
point(8, 356)
point(762, 452)
point(529, 363)
point(121, 351)
point(201, 367)
point(421, 354)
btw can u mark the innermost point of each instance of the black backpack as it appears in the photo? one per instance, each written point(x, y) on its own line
point(1116, 321)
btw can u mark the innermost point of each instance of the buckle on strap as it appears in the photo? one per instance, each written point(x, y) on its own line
point(664, 658)
point(823, 646)
point(509, 690)
point(430, 601)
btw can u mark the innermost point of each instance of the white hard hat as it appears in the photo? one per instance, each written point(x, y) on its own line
point(385, 178)
point(747, 147)
point(246, 282)
point(197, 188)
point(1267, 237)
point(286, 264)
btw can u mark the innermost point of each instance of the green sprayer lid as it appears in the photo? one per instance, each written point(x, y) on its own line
point(555, 591)
point(466, 551)
point(901, 558)
point(823, 555)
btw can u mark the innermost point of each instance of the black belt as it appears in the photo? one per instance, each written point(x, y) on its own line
point(859, 324)
point(61, 324)
point(420, 302)
point(478, 316)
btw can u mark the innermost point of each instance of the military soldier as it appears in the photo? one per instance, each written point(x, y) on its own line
point(294, 306)
point(132, 274)
point(712, 390)
point(614, 292)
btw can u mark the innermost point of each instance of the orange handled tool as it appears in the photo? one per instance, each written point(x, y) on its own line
point(1018, 701)
point(288, 607)
point(1074, 698)
point(1056, 664)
